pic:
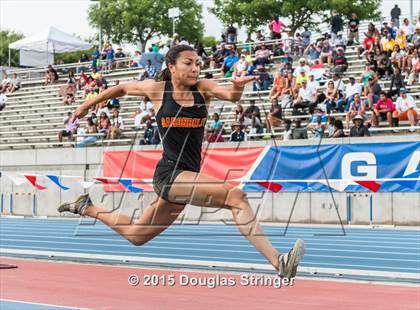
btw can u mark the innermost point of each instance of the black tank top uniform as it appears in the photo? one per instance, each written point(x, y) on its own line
point(181, 130)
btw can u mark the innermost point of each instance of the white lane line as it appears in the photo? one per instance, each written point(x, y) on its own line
point(165, 261)
point(202, 241)
point(150, 245)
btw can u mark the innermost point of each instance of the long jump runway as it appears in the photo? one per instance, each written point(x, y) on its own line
point(82, 264)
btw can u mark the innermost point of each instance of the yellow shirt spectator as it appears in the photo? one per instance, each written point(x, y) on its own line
point(91, 95)
point(401, 40)
point(301, 78)
point(388, 45)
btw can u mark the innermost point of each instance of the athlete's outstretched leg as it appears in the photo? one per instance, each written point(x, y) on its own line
point(158, 216)
point(205, 191)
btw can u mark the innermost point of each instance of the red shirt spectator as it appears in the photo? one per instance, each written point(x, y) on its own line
point(368, 42)
point(384, 106)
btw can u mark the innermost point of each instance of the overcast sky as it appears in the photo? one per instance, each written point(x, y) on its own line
point(31, 16)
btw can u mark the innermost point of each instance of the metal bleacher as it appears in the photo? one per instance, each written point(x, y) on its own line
point(34, 114)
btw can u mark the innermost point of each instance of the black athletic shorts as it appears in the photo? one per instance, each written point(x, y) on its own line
point(165, 174)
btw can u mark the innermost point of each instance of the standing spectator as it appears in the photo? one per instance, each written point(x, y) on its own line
point(237, 135)
point(232, 34)
point(71, 124)
point(359, 129)
point(276, 26)
point(109, 51)
point(383, 109)
point(353, 26)
point(306, 36)
point(117, 125)
point(299, 132)
point(357, 107)
point(338, 129)
point(3, 100)
point(96, 58)
point(15, 83)
point(405, 109)
point(336, 24)
point(395, 15)
point(51, 75)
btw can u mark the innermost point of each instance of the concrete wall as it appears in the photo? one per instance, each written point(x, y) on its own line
point(356, 208)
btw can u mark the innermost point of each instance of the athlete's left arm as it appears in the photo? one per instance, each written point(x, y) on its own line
point(232, 92)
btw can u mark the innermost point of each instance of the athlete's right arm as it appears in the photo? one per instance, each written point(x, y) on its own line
point(144, 88)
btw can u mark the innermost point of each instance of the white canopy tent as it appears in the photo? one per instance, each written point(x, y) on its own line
point(49, 41)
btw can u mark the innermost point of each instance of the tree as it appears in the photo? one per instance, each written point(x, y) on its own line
point(7, 37)
point(255, 13)
point(137, 21)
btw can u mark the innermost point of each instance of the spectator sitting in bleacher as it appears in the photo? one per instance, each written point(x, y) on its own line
point(145, 109)
point(383, 109)
point(239, 114)
point(338, 129)
point(278, 50)
point(303, 67)
point(279, 85)
point(397, 81)
point(118, 55)
point(117, 125)
point(326, 53)
point(264, 79)
point(240, 68)
point(314, 51)
point(318, 127)
point(359, 129)
point(51, 76)
point(318, 70)
point(405, 109)
point(274, 117)
point(253, 110)
point(340, 61)
point(416, 37)
point(101, 82)
point(90, 129)
point(149, 71)
point(305, 99)
point(104, 123)
point(384, 66)
point(5, 83)
point(414, 76)
point(372, 92)
point(135, 61)
point(228, 63)
point(397, 57)
point(215, 131)
point(94, 74)
point(237, 135)
point(299, 132)
point(259, 36)
point(388, 44)
point(83, 59)
point(151, 134)
point(71, 124)
point(262, 56)
point(15, 83)
point(331, 97)
point(352, 88)
point(3, 100)
point(368, 44)
point(357, 107)
point(408, 28)
point(83, 79)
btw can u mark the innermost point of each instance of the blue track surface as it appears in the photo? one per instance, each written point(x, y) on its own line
point(389, 250)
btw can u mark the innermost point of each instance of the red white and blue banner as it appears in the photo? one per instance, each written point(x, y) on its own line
point(373, 167)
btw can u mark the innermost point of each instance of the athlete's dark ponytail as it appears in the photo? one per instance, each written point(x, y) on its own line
point(171, 57)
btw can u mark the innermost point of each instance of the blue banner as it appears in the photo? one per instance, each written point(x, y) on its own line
point(383, 167)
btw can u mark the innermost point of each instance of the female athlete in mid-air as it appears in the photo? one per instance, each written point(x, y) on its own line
point(182, 102)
